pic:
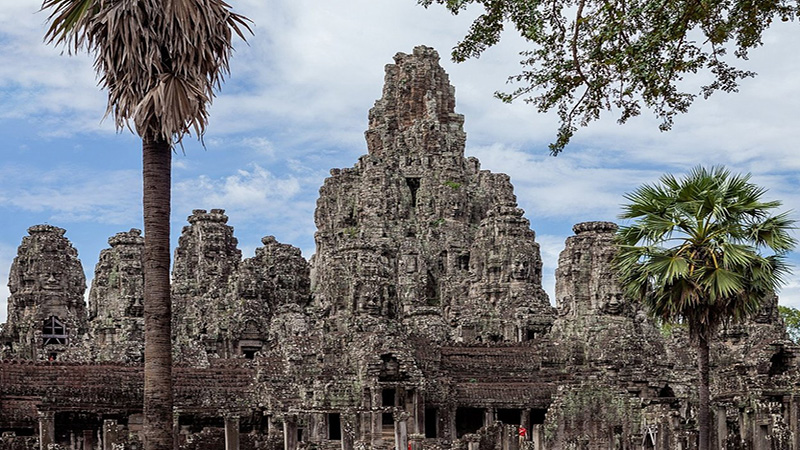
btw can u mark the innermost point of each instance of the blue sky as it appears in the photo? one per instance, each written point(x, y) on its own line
point(296, 106)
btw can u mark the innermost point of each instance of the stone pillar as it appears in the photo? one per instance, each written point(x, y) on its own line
point(401, 430)
point(451, 424)
point(176, 429)
point(362, 434)
point(419, 413)
point(290, 432)
point(537, 433)
point(722, 427)
point(747, 426)
point(488, 417)
point(794, 417)
point(47, 429)
point(376, 423)
point(318, 427)
point(88, 440)
point(504, 438)
point(231, 432)
point(348, 426)
point(110, 434)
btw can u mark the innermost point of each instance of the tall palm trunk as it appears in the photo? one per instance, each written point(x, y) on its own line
point(158, 427)
point(703, 411)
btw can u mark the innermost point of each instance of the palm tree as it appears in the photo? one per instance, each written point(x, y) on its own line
point(160, 61)
point(693, 255)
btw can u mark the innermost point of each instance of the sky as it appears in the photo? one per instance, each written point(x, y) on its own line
point(296, 104)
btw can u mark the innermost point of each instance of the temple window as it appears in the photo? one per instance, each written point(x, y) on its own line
point(431, 423)
point(334, 426)
point(388, 397)
point(250, 352)
point(469, 420)
point(463, 261)
point(509, 416)
point(54, 332)
point(413, 185)
point(538, 416)
point(779, 363)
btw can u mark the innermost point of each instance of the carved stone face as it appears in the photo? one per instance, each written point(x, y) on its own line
point(369, 300)
point(50, 280)
point(520, 268)
point(765, 313)
point(613, 304)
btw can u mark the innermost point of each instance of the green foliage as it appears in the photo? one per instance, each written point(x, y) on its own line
point(590, 56)
point(351, 231)
point(576, 406)
point(667, 329)
point(791, 317)
point(437, 223)
point(452, 184)
point(694, 253)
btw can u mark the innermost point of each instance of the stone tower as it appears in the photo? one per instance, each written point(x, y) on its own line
point(206, 257)
point(596, 323)
point(46, 310)
point(404, 236)
point(116, 299)
point(276, 279)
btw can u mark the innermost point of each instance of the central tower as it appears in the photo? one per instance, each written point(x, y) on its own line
point(415, 233)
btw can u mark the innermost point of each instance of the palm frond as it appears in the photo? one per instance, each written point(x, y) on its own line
point(160, 60)
point(692, 253)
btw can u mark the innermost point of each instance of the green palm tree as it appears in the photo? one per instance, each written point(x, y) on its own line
point(160, 61)
point(695, 255)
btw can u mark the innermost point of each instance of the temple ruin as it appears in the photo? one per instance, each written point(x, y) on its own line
point(420, 323)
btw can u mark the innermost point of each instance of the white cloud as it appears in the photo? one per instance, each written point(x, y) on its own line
point(253, 189)
point(74, 193)
point(551, 246)
point(574, 186)
point(255, 200)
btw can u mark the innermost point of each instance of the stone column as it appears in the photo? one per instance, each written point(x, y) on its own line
point(47, 429)
point(88, 440)
point(176, 429)
point(401, 430)
point(722, 427)
point(110, 434)
point(536, 436)
point(376, 427)
point(794, 417)
point(290, 432)
point(318, 427)
point(348, 425)
point(364, 417)
point(231, 432)
point(452, 430)
point(488, 417)
point(419, 413)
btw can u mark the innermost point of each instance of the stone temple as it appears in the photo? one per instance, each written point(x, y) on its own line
point(420, 323)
